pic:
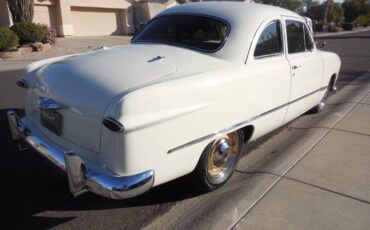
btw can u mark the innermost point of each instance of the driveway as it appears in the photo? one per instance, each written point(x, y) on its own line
point(73, 45)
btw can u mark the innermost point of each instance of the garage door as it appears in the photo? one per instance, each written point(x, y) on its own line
point(96, 21)
point(45, 15)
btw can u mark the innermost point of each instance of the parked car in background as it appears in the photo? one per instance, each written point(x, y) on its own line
point(196, 84)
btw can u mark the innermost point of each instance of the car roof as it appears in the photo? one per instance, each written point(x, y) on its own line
point(230, 11)
point(244, 19)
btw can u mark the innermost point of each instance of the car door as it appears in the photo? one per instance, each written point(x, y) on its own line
point(269, 72)
point(306, 68)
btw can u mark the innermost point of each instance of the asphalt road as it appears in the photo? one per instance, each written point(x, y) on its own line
point(34, 195)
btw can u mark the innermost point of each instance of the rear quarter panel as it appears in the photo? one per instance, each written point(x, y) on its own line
point(164, 116)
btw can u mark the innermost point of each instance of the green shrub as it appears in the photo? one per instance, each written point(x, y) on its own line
point(8, 39)
point(347, 26)
point(361, 20)
point(29, 32)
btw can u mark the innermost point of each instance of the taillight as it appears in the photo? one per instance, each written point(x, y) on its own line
point(22, 83)
point(113, 124)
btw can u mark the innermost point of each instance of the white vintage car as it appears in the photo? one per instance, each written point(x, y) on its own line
point(198, 82)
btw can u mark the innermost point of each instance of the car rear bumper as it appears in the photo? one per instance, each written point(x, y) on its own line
point(80, 177)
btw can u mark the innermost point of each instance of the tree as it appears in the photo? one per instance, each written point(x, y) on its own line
point(293, 5)
point(355, 8)
point(21, 10)
point(316, 12)
point(326, 11)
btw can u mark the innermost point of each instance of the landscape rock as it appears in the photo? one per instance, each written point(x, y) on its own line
point(37, 46)
point(16, 53)
point(46, 46)
point(9, 55)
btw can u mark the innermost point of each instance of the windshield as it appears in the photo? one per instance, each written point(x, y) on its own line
point(196, 32)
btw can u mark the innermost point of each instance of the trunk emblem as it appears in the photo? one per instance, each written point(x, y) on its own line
point(156, 59)
point(49, 104)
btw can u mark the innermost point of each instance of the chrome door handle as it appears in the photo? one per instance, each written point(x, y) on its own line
point(296, 66)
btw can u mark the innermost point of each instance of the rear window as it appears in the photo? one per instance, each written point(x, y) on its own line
point(192, 31)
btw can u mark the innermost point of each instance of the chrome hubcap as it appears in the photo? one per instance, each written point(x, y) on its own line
point(222, 150)
point(323, 101)
point(321, 105)
point(223, 156)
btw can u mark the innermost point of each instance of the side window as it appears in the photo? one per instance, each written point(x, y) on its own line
point(295, 35)
point(308, 39)
point(269, 43)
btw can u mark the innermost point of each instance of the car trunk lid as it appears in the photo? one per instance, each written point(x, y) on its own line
point(85, 85)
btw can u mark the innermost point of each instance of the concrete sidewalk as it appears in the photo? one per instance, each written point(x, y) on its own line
point(313, 174)
point(329, 185)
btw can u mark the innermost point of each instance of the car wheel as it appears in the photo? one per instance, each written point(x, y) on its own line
point(218, 162)
point(320, 107)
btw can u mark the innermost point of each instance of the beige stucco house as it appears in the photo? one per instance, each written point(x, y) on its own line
point(91, 17)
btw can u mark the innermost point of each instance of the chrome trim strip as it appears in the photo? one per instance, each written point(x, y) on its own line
point(241, 124)
point(268, 56)
point(49, 104)
point(80, 177)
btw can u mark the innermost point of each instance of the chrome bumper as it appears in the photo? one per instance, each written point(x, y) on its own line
point(82, 179)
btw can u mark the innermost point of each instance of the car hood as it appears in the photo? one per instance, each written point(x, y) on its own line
point(86, 84)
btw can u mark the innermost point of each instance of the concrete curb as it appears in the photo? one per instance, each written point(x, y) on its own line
point(326, 34)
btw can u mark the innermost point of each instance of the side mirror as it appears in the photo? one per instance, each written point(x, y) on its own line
point(320, 44)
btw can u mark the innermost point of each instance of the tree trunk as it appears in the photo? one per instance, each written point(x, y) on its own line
point(21, 10)
point(326, 12)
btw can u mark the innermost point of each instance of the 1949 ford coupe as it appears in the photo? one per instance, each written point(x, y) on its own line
point(198, 82)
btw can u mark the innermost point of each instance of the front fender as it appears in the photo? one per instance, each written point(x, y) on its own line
point(332, 65)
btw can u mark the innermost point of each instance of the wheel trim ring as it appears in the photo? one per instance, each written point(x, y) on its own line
point(323, 100)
